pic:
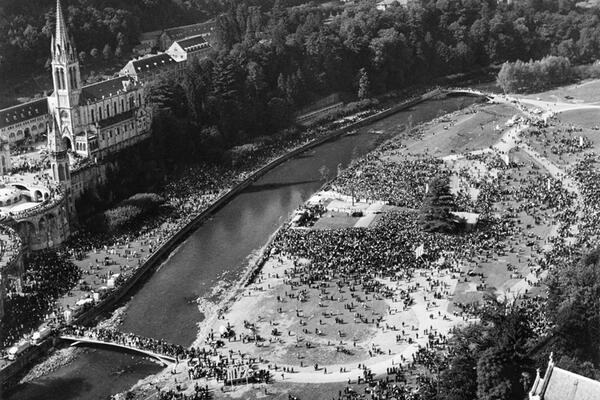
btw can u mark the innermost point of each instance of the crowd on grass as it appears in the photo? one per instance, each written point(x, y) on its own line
point(189, 193)
point(357, 257)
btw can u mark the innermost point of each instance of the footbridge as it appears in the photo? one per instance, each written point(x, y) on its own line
point(85, 340)
point(468, 92)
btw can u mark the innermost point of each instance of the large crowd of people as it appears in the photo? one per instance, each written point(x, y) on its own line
point(353, 257)
point(49, 274)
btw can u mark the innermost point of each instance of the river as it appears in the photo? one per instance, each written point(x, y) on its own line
point(213, 256)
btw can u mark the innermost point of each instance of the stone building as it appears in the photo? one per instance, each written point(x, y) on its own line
point(24, 121)
point(560, 384)
point(98, 119)
point(162, 39)
point(189, 49)
point(153, 68)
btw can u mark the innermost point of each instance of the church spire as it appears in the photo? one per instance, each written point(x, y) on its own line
point(61, 28)
point(63, 49)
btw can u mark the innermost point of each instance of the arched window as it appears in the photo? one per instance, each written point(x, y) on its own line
point(115, 108)
point(57, 78)
point(73, 78)
point(107, 110)
point(99, 113)
point(92, 110)
point(61, 74)
point(61, 172)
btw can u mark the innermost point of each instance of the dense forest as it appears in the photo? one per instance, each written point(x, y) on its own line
point(26, 27)
point(268, 62)
point(429, 37)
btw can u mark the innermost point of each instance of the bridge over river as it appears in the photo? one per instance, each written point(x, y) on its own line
point(76, 340)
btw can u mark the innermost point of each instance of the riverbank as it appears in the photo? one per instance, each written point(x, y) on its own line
point(156, 258)
point(435, 290)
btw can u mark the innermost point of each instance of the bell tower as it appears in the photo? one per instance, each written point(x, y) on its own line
point(57, 151)
point(66, 79)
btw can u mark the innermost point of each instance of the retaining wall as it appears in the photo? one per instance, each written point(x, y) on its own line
point(8, 374)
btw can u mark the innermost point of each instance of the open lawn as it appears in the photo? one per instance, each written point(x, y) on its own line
point(560, 142)
point(584, 118)
point(471, 129)
point(587, 91)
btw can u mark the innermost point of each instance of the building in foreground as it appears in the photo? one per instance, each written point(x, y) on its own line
point(560, 384)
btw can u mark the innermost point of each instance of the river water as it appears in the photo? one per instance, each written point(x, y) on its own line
point(213, 255)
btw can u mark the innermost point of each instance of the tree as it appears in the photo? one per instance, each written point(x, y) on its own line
point(574, 307)
point(435, 213)
point(363, 84)
point(107, 52)
point(492, 381)
point(534, 75)
point(95, 53)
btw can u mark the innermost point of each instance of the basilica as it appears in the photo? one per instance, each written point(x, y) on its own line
point(84, 124)
point(95, 120)
point(91, 120)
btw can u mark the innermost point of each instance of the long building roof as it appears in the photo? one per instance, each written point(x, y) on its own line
point(152, 63)
point(193, 43)
point(115, 119)
point(107, 88)
point(565, 385)
point(201, 28)
point(178, 32)
point(23, 112)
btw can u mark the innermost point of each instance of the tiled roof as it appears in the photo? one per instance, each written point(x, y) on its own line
point(152, 63)
point(105, 88)
point(23, 112)
point(193, 43)
point(115, 119)
point(180, 32)
point(565, 385)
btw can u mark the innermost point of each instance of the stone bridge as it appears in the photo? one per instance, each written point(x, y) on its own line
point(83, 340)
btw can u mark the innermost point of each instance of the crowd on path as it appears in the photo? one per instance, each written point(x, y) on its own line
point(49, 275)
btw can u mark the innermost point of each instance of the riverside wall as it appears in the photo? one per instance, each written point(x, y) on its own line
point(9, 374)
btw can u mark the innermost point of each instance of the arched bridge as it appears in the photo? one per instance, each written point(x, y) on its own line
point(77, 340)
point(468, 92)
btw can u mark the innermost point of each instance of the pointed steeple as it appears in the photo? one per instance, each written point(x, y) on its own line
point(62, 46)
point(65, 64)
point(60, 36)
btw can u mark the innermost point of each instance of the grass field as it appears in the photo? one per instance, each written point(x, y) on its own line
point(585, 118)
point(467, 130)
point(587, 91)
point(582, 123)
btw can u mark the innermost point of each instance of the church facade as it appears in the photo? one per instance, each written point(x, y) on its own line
point(92, 120)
